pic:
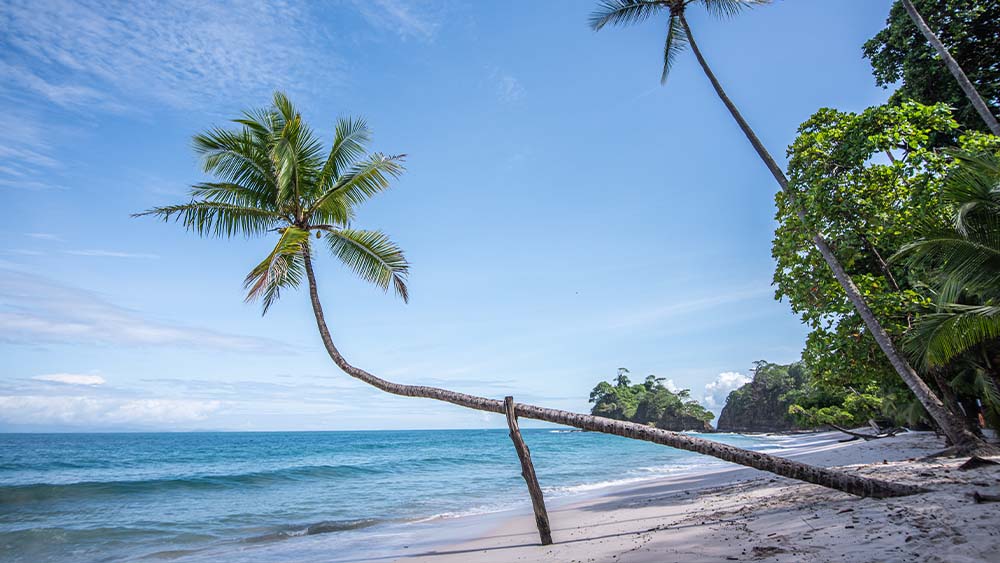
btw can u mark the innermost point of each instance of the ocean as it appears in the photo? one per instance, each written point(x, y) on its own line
point(293, 496)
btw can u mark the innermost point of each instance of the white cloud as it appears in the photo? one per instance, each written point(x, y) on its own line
point(102, 412)
point(717, 391)
point(110, 254)
point(508, 88)
point(71, 378)
point(25, 151)
point(397, 16)
point(43, 236)
point(34, 309)
point(182, 53)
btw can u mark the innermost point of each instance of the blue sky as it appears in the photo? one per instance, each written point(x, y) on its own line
point(564, 214)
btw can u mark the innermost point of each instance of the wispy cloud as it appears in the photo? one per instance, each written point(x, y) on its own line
point(688, 306)
point(90, 411)
point(111, 53)
point(71, 378)
point(25, 152)
point(43, 236)
point(507, 87)
point(110, 254)
point(34, 309)
point(398, 16)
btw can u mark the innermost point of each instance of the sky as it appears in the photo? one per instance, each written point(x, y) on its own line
point(563, 213)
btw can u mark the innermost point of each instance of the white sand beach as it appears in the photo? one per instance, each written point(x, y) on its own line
point(741, 514)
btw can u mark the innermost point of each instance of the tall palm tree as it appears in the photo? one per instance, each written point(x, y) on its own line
point(625, 12)
point(963, 81)
point(275, 178)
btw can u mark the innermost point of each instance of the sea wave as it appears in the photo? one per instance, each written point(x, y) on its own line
point(19, 494)
point(325, 527)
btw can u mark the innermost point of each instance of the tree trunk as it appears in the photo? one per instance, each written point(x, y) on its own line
point(528, 472)
point(954, 68)
point(952, 426)
point(848, 483)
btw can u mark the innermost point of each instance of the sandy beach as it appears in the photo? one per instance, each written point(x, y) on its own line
point(741, 514)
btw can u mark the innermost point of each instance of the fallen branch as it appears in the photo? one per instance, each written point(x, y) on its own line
point(866, 437)
point(981, 498)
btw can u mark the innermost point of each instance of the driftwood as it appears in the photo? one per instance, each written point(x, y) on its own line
point(981, 498)
point(975, 462)
point(866, 437)
point(528, 472)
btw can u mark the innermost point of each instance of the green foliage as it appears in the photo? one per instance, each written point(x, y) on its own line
point(274, 176)
point(649, 402)
point(813, 405)
point(866, 181)
point(777, 399)
point(970, 29)
point(964, 256)
point(876, 185)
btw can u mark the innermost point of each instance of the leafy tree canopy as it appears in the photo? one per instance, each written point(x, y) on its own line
point(868, 182)
point(970, 29)
point(649, 402)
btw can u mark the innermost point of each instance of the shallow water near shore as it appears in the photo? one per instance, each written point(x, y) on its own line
point(293, 496)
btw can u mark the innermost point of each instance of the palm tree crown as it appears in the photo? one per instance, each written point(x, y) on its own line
point(273, 175)
point(627, 12)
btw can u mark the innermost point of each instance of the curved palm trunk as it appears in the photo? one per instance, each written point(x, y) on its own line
point(833, 479)
point(954, 68)
point(953, 427)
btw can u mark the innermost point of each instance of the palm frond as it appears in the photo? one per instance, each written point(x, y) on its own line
point(235, 156)
point(624, 12)
point(360, 183)
point(372, 256)
point(234, 194)
point(973, 186)
point(675, 44)
point(730, 8)
point(971, 262)
point(283, 268)
point(349, 141)
point(209, 218)
point(937, 338)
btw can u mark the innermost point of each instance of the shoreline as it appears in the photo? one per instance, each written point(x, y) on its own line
point(729, 513)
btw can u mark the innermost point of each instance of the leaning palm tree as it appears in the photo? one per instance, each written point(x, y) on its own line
point(274, 177)
point(954, 68)
point(679, 35)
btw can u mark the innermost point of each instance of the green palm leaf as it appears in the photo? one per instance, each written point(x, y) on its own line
point(372, 256)
point(624, 12)
point(349, 141)
point(283, 268)
point(364, 180)
point(209, 218)
point(675, 44)
point(730, 8)
point(938, 338)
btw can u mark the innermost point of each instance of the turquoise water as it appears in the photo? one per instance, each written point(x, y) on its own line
point(288, 496)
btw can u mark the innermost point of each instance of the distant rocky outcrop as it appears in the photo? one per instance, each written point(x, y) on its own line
point(762, 405)
point(650, 402)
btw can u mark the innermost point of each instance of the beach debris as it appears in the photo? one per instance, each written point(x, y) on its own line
point(981, 498)
point(975, 462)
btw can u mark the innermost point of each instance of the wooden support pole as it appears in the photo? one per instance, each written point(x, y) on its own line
point(528, 472)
